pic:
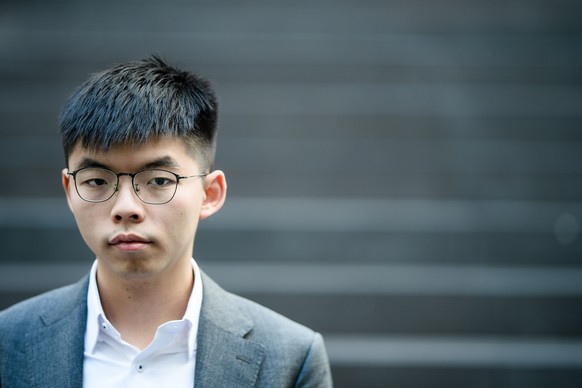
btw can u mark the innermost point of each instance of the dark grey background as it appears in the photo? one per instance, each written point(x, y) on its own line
point(404, 176)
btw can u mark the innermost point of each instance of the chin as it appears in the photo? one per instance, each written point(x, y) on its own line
point(134, 266)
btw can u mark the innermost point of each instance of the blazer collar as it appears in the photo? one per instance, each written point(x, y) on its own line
point(57, 345)
point(224, 357)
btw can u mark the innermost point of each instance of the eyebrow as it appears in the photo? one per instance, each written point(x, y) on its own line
point(163, 162)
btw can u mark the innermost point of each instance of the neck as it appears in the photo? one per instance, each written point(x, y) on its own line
point(137, 307)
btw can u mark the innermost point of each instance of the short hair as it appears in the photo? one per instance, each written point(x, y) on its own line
point(138, 101)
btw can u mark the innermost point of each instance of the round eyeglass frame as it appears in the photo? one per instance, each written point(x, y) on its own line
point(133, 186)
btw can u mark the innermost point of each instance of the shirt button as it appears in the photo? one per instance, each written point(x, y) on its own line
point(140, 368)
point(104, 326)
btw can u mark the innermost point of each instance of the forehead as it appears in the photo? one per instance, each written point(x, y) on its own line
point(163, 152)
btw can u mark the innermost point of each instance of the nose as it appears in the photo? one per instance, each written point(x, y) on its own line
point(127, 206)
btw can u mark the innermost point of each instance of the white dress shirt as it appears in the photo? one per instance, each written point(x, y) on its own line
point(168, 361)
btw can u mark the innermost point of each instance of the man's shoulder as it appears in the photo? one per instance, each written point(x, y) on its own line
point(292, 352)
point(41, 339)
point(48, 306)
point(267, 325)
point(270, 321)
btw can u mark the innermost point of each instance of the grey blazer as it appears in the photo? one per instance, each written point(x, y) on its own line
point(240, 343)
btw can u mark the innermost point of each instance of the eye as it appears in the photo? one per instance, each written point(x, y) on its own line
point(95, 178)
point(155, 179)
point(160, 181)
point(95, 182)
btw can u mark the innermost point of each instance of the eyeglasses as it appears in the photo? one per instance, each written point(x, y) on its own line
point(153, 186)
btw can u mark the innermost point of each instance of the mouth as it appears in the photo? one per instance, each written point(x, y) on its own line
point(129, 242)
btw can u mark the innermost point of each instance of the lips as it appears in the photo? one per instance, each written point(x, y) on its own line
point(129, 242)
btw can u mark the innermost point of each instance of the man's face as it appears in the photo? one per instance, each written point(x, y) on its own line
point(129, 237)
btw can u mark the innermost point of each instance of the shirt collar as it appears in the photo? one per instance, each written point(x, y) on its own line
point(96, 315)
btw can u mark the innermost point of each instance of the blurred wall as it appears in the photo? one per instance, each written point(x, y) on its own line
point(404, 176)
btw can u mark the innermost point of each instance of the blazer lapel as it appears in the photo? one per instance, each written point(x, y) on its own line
point(55, 351)
point(224, 358)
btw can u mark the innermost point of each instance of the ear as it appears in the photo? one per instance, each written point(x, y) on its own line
point(215, 193)
point(67, 185)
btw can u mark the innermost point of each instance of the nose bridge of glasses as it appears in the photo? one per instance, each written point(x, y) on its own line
point(134, 186)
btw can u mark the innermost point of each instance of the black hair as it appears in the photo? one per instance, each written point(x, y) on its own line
point(134, 102)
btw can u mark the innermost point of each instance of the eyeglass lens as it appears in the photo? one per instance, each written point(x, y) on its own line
point(151, 186)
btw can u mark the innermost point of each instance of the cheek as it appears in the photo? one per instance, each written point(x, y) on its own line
point(181, 218)
point(187, 208)
point(89, 222)
point(187, 220)
point(83, 215)
point(91, 229)
point(89, 217)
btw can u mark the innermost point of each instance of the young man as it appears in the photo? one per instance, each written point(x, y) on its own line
point(139, 142)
